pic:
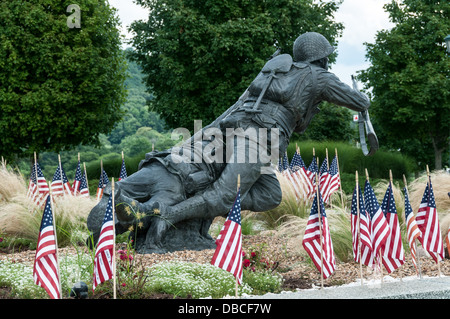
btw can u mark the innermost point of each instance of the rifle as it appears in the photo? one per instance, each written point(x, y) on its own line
point(365, 127)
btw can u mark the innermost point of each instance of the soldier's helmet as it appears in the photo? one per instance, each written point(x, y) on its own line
point(311, 46)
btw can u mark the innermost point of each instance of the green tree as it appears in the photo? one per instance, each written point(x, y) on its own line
point(200, 56)
point(59, 86)
point(332, 123)
point(409, 78)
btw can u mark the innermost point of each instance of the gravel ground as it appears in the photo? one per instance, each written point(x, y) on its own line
point(302, 280)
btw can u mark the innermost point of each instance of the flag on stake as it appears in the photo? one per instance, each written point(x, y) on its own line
point(76, 186)
point(379, 226)
point(412, 230)
point(104, 261)
point(228, 253)
point(46, 268)
point(335, 179)
point(313, 168)
point(123, 169)
point(285, 170)
point(103, 181)
point(38, 188)
point(60, 184)
point(299, 171)
point(324, 179)
point(317, 239)
point(362, 243)
point(32, 191)
point(428, 223)
point(84, 190)
point(393, 254)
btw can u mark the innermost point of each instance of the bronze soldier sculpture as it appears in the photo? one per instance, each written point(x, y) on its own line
point(285, 95)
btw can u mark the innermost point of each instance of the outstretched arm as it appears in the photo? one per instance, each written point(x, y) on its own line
point(337, 92)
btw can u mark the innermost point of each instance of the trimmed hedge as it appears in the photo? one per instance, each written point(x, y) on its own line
point(351, 159)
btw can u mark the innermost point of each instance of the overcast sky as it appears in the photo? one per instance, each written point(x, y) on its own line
point(361, 19)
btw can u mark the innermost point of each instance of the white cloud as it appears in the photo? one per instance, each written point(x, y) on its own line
point(361, 19)
point(128, 11)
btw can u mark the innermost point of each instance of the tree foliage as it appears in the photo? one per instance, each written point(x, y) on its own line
point(409, 78)
point(59, 86)
point(200, 56)
point(333, 123)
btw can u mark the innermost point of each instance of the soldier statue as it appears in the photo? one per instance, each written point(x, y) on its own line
point(175, 192)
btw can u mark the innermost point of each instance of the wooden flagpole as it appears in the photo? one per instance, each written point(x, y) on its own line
point(36, 175)
point(85, 175)
point(339, 172)
point(238, 186)
point(114, 240)
point(417, 255)
point(429, 192)
point(305, 199)
point(320, 226)
point(359, 227)
point(56, 241)
point(60, 175)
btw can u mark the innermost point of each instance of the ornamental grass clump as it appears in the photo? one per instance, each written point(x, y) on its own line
point(20, 217)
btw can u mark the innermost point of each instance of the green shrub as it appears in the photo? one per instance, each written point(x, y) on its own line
point(351, 159)
point(185, 279)
point(197, 280)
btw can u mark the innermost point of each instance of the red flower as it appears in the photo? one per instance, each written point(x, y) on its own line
point(246, 263)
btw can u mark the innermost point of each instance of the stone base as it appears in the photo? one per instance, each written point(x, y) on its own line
point(185, 235)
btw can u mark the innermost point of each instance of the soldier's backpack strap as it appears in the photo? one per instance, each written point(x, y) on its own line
point(279, 64)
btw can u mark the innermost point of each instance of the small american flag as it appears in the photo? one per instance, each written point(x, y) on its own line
point(77, 181)
point(311, 172)
point(393, 253)
point(335, 180)
point(312, 239)
point(228, 254)
point(60, 184)
point(412, 230)
point(324, 180)
point(428, 223)
point(45, 271)
point(298, 171)
point(38, 190)
point(103, 260)
point(364, 242)
point(294, 181)
point(123, 171)
point(32, 185)
point(103, 181)
point(84, 190)
point(379, 226)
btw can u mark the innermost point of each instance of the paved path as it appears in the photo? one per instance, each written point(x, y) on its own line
point(407, 288)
